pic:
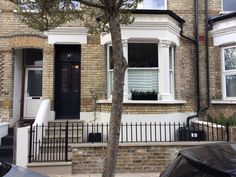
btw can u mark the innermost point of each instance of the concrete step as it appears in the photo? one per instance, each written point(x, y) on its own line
point(76, 131)
point(62, 123)
point(7, 140)
point(47, 168)
point(6, 151)
point(7, 159)
point(11, 131)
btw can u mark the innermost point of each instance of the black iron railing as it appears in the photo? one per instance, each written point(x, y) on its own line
point(48, 143)
point(52, 142)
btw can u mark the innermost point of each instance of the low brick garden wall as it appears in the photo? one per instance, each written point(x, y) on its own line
point(215, 132)
point(232, 134)
point(132, 158)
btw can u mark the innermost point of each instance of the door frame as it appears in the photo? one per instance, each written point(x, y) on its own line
point(57, 75)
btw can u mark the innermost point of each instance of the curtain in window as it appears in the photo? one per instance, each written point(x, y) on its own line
point(143, 79)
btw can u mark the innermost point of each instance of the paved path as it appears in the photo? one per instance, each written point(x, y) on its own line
point(117, 175)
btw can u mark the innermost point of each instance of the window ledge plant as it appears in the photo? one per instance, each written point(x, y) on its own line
point(144, 95)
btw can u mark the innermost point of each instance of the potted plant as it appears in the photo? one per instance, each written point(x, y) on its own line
point(144, 95)
point(95, 136)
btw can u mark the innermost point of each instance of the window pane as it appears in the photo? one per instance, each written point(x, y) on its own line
point(143, 55)
point(170, 59)
point(33, 57)
point(110, 82)
point(229, 5)
point(65, 78)
point(34, 83)
point(75, 78)
point(143, 80)
point(231, 86)
point(152, 4)
point(230, 58)
point(171, 82)
point(111, 66)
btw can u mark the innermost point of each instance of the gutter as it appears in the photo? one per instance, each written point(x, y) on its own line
point(196, 42)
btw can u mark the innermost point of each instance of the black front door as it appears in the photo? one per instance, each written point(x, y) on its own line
point(67, 87)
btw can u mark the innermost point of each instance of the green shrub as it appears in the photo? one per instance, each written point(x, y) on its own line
point(231, 121)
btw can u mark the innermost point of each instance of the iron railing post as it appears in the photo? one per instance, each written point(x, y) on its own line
point(66, 141)
point(227, 131)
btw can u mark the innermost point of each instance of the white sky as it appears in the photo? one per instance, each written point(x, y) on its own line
point(153, 4)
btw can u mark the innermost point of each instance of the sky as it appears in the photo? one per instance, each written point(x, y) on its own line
point(153, 4)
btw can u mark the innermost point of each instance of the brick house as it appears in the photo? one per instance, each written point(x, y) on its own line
point(68, 63)
point(166, 49)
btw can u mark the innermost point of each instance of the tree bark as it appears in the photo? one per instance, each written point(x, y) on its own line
point(120, 66)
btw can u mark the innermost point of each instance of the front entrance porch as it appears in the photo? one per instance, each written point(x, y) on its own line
point(67, 81)
point(28, 74)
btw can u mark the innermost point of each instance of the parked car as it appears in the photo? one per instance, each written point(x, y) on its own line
point(9, 170)
point(212, 160)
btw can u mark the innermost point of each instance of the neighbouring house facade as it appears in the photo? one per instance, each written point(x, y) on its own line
point(166, 50)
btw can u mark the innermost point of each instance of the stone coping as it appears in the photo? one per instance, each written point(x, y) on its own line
point(185, 143)
point(145, 102)
point(47, 164)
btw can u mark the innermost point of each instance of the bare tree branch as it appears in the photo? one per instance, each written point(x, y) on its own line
point(92, 4)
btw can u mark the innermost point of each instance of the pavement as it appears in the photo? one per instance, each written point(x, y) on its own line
point(117, 175)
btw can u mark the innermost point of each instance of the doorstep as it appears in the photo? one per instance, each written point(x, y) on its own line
point(51, 167)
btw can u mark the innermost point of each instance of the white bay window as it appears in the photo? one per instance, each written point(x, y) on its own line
point(229, 72)
point(146, 76)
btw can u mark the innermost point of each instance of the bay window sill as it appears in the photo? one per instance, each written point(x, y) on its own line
point(144, 102)
point(223, 102)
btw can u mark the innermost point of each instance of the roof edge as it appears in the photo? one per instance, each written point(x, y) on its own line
point(158, 12)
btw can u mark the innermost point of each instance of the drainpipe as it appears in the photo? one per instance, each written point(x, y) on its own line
point(207, 61)
point(207, 55)
point(197, 54)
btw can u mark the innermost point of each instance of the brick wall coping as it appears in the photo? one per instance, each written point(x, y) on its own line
point(186, 143)
point(25, 35)
point(223, 102)
point(144, 102)
point(208, 123)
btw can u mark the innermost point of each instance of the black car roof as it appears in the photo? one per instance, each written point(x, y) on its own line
point(218, 156)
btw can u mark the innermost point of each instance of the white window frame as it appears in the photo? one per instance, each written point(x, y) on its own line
point(109, 89)
point(142, 68)
point(127, 95)
point(226, 73)
point(140, 6)
point(172, 84)
point(222, 8)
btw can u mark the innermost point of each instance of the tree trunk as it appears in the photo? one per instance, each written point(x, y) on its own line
point(120, 66)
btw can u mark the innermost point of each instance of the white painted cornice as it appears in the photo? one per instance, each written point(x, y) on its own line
point(224, 31)
point(68, 31)
point(67, 35)
point(153, 26)
point(149, 26)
